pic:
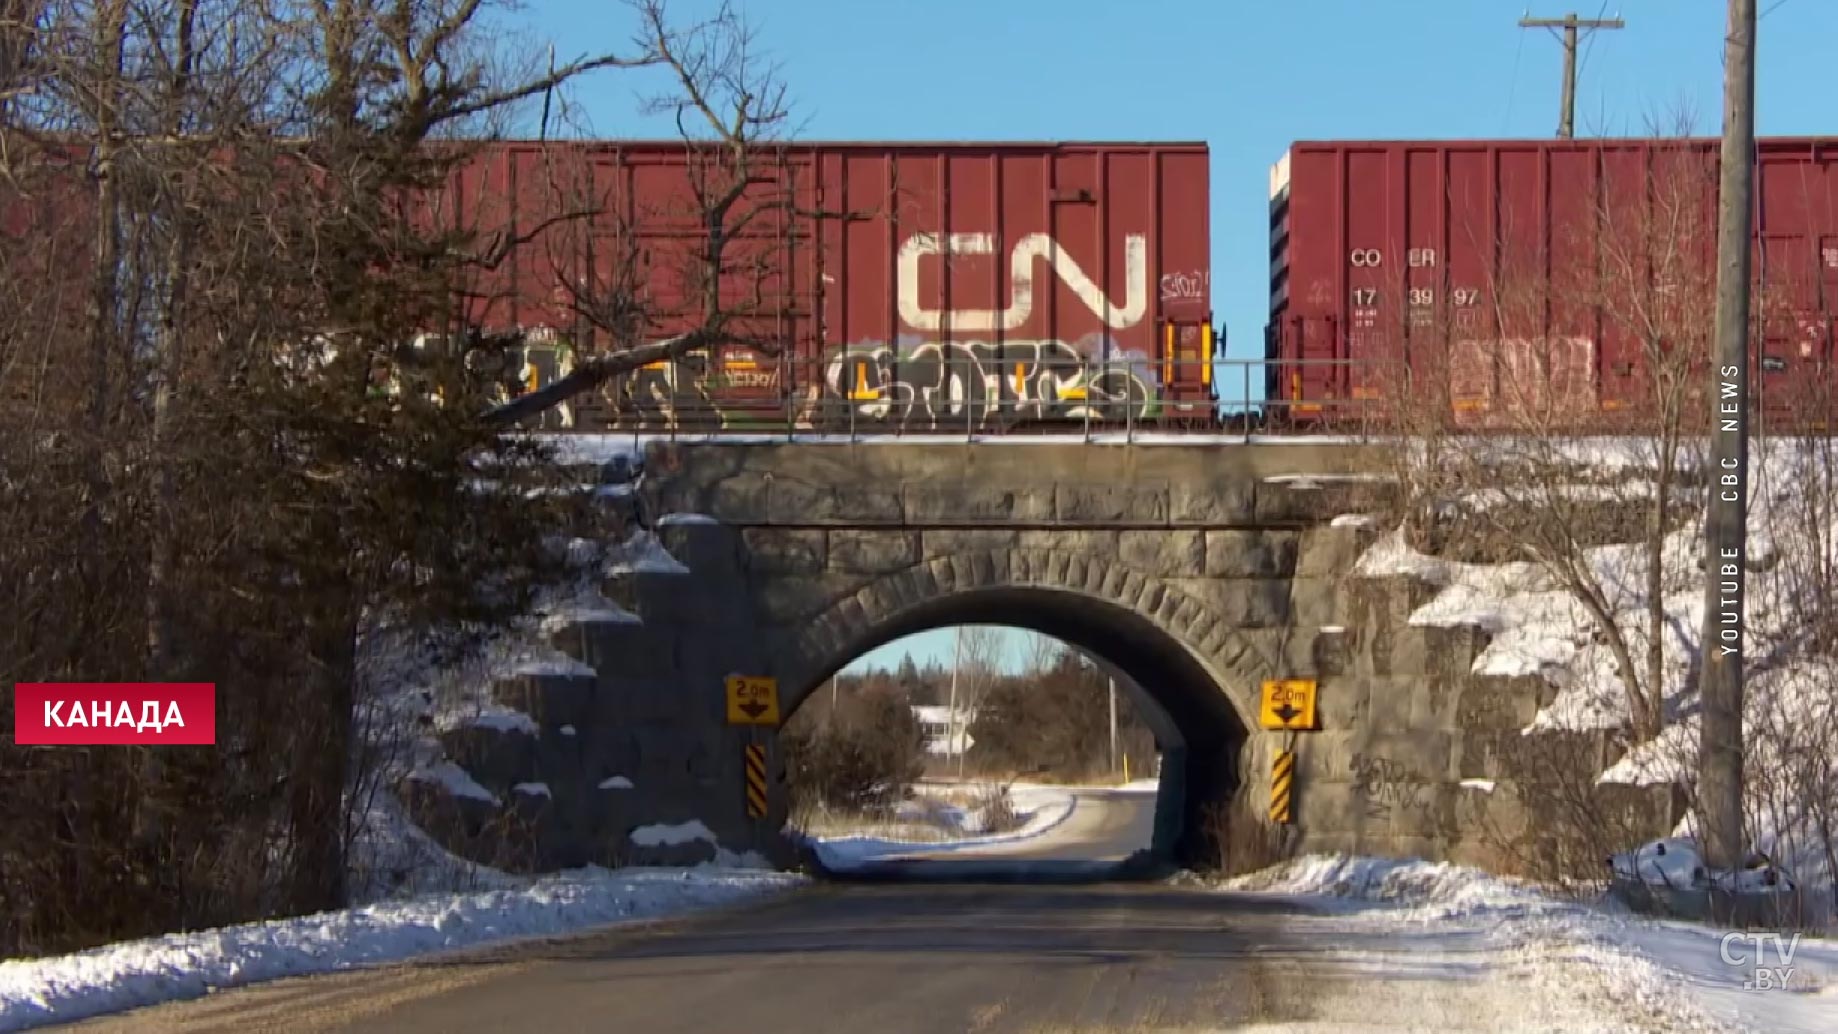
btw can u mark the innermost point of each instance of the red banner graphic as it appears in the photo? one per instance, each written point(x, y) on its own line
point(83, 714)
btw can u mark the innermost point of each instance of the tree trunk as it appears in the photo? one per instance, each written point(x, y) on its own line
point(1655, 688)
point(322, 739)
point(103, 302)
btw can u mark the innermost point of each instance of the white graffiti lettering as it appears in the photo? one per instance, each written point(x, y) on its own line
point(1518, 375)
point(944, 386)
point(1021, 273)
point(1186, 285)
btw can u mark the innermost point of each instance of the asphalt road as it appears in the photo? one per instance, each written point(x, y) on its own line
point(1105, 829)
point(891, 958)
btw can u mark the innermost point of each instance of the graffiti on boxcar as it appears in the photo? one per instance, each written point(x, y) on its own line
point(948, 386)
point(1185, 286)
point(499, 371)
point(543, 358)
point(1021, 278)
point(956, 385)
point(697, 388)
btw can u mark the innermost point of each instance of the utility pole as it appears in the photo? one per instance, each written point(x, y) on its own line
point(1726, 514)
point(1571, 24)
point(954, 739)
point(1113, 724)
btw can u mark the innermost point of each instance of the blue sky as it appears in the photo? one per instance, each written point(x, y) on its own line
point(1247, 78)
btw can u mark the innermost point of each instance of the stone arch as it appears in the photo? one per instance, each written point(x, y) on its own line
point(849, 625)
point(1199, 668)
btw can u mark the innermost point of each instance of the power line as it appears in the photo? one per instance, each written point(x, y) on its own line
point(1513, 91)
point(1572, 25)
point(1589, 48)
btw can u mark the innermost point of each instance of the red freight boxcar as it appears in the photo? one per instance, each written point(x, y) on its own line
point(911, 284)
point(1501, 261)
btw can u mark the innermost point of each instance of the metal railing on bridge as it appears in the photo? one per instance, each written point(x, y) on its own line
point(874, 394)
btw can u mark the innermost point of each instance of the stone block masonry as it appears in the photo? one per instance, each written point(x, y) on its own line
point(1201, 570)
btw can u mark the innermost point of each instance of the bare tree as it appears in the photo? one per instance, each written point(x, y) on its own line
point(670, 299)
point(1043, 653)
point(207, 252)
point(1522, 359)
point(973, 672)
point(1790, 716)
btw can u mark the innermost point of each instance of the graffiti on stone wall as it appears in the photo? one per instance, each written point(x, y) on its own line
point(954, 386)
point(1387, 785)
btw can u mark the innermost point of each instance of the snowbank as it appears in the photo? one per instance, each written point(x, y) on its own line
point(597, 449)
point(137, 973)
point(410, 695)
point(661, 835)
point(642, 552)
point(1421, 891)
point(1687, 977)
point(455, 779)
point(1042, 808)
point(1536, 628)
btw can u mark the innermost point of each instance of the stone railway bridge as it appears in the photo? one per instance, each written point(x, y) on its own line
point(1199, 570)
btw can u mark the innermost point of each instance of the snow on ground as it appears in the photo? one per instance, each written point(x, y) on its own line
point(1388, 917)
point(122, 976)
point(642, 552)
point(413, 899)
point(455, 779)
point(412, 896)
point(1046, 790)
point(583, 605)
point(680, 833)
point(597, 449)
point(1041, 809)
point(1536, 627)
point(411, 693)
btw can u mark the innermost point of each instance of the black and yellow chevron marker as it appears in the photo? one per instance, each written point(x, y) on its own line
point(1282, 777)
point(756, 781)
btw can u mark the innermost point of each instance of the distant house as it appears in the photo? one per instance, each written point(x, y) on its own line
point(936, 721)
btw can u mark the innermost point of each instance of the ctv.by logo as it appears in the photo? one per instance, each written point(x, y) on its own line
point(1761, 977)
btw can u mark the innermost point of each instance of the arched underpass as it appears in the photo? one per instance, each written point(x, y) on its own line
point(1198, 730)
point(1200, 573)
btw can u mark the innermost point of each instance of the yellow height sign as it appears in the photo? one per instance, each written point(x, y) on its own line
point(753, 700)
point(1288, 704)
point(1282, 778)
point(756, 781)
